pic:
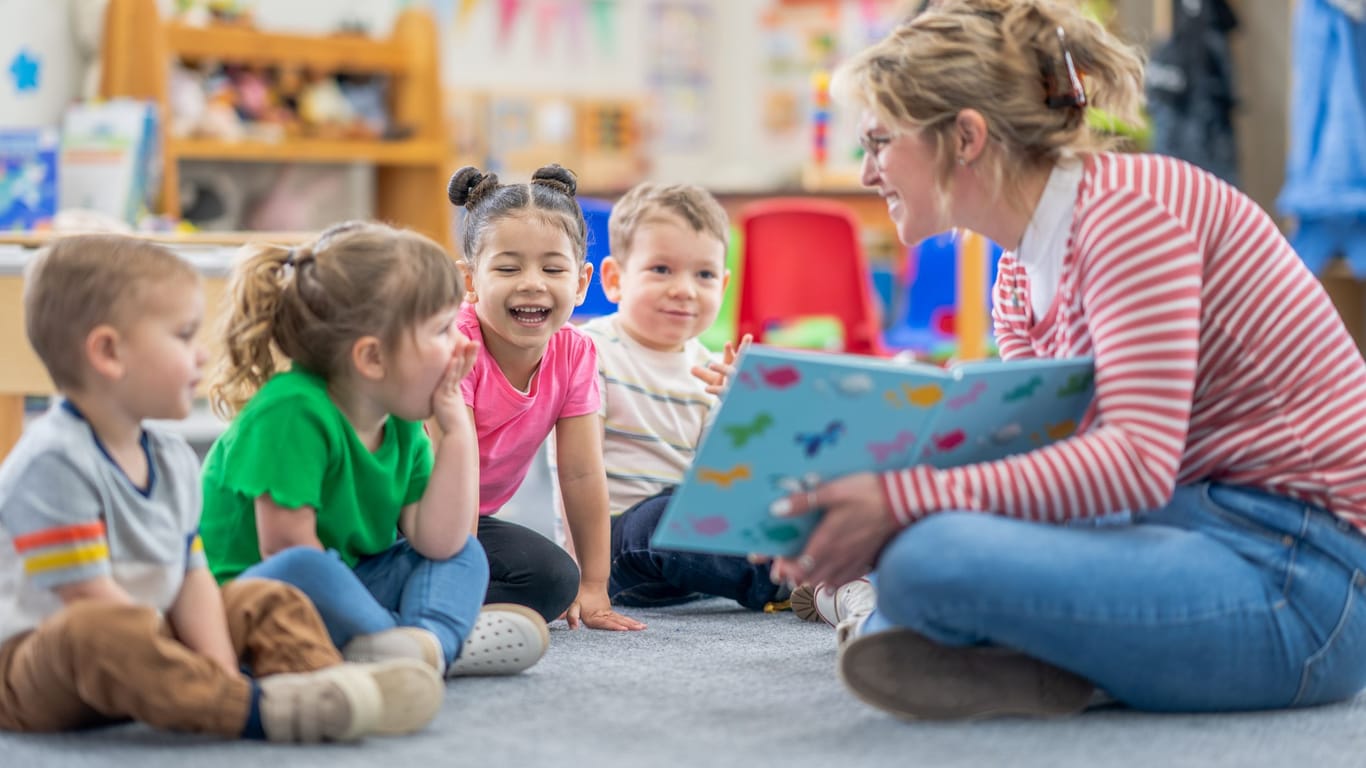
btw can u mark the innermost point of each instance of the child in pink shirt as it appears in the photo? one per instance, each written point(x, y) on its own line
point(525, 271)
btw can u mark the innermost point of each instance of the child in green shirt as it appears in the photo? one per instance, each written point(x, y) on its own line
point(326, 479)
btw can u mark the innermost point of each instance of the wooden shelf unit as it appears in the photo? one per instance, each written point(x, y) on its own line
point(411, 174)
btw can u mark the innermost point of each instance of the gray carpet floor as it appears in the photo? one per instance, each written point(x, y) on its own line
point(708, 685)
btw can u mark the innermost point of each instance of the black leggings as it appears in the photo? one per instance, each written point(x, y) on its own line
point(528, 569)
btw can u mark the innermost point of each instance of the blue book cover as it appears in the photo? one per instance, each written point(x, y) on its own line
point(793, 420)
point(28, 178)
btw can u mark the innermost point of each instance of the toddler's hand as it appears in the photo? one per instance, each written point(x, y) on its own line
point(718, 373)
point(593, 609)
point(448, 405)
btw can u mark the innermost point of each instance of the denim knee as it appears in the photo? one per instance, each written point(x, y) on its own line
point(296, 561)
point(470, 564)
point(938, 560)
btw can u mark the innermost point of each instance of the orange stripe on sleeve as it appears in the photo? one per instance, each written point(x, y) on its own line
point(67, 534)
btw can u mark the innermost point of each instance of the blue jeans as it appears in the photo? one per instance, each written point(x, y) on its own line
point(397, 587)
point(1227, 598)
point(643, 576)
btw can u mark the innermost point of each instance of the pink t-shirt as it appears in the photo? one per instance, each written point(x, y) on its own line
point(510, 424)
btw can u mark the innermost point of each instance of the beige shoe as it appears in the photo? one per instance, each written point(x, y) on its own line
point(339, 703)
point(410, 694)
point(506, 639)
point(901, 672)
point(833, 605)
point(397, 643)
point(803, 601)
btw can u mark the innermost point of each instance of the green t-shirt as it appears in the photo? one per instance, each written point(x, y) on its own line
point(292, 442)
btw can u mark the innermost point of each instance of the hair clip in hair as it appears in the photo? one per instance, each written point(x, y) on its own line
point(1063, 86)
point(289, 258)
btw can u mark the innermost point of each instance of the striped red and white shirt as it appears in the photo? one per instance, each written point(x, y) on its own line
point(1218, 358)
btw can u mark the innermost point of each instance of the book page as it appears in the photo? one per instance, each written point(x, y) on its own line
point(997, 409)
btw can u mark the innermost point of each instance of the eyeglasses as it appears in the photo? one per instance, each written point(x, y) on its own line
point(873, 146)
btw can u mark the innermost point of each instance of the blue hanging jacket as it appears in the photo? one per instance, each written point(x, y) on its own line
point(1325, 185)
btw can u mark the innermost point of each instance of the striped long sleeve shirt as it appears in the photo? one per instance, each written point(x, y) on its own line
point(1218, 357)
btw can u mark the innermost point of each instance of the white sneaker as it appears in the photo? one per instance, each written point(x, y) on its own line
point(340, 703)
point(397, 643)
point(852, 599)
point(506, 639)
point(849, 629)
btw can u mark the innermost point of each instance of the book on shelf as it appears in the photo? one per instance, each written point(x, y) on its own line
point(791, 420)
point(108, 157)
point(28, 178)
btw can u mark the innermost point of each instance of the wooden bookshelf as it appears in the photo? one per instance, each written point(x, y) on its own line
point(411, 174)
point(408, 153)
point(333, 53)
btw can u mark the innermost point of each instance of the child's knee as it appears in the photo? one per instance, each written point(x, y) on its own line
point(469, 566)
point(88, 627)
point(473, 554)
point(558, 584)
point(299, 560)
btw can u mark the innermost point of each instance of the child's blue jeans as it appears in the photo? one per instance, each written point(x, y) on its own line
point(397, 587)
point(1227, 598)
point(645, 576)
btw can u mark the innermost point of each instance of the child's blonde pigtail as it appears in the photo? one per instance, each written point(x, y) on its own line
point(249, 357)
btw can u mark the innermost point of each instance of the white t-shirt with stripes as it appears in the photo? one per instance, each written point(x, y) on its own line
point(654, 411)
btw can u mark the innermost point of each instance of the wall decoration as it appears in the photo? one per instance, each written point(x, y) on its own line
point(678, 33)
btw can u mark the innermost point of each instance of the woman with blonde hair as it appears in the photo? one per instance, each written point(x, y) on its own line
point(1228, 423)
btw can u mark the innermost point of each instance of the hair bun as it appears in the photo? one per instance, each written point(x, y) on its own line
point(556, 177)
point(469, 185)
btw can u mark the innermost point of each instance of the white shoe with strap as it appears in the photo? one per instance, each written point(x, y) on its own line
point(349, 701)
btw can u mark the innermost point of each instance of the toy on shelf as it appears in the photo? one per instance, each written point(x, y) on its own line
point(323, 108)
point(202, 13)
point(276, 80)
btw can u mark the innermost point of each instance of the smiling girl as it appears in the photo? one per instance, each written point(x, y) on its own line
point(525, 252)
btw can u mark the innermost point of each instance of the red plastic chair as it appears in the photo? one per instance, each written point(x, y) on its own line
point(802, 257)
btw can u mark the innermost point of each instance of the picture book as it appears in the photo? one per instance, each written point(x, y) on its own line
point(792, 420)
point(28, 178)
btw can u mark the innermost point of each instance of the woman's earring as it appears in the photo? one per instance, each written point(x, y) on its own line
point(962, 160)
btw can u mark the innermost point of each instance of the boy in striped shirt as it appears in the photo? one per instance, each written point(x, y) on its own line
point(107, 608)
point(659, 386)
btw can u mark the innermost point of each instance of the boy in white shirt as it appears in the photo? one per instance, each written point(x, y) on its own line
point(659, 385)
